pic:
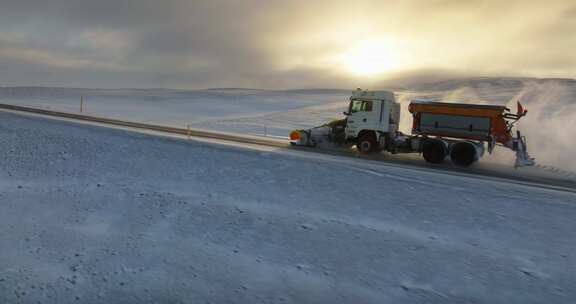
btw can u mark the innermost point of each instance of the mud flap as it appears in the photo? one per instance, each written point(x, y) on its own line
point(381, 142)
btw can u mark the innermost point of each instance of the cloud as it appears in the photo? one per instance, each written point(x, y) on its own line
point(570, 13)
point(256, 43)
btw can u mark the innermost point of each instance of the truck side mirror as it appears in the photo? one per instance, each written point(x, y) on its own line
point(346, 113)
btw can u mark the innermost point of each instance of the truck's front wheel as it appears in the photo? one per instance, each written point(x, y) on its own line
point(366, 143)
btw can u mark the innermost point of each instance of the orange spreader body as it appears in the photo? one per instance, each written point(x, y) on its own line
point(498, 124)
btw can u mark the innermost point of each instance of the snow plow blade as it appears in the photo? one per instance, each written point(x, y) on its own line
point(332, 132)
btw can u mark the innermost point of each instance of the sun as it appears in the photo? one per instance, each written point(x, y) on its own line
point(368, 58)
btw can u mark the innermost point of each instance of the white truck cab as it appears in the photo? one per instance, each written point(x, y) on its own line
point(372, 117)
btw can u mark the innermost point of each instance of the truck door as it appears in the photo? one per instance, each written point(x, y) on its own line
point(360, 117)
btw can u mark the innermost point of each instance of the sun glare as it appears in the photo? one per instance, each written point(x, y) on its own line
point(368, 58)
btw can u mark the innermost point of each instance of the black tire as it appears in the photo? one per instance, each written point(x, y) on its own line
point(463, 154)
point(367, 143)
point(434, 151)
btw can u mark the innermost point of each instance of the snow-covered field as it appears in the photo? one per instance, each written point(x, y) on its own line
point(548, 126)
point(93, 215)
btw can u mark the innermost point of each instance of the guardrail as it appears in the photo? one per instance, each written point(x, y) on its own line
point(144, 126)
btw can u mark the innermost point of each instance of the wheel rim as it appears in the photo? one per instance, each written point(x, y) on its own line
point(365, 146)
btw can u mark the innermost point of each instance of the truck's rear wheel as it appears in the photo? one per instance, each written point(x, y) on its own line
point(366, 143)
point(434, 151)
point(463, 154)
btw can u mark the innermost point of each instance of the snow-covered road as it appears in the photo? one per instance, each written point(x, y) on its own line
point(94, 215)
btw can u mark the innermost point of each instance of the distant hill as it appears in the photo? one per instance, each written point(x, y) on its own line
point(481, 86)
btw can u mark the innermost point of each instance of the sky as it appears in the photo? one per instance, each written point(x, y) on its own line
point(279, 43)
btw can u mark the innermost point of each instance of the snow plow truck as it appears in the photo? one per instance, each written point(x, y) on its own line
point(440, 130)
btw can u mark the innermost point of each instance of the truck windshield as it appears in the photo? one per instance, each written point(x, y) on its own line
point(360, 106)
